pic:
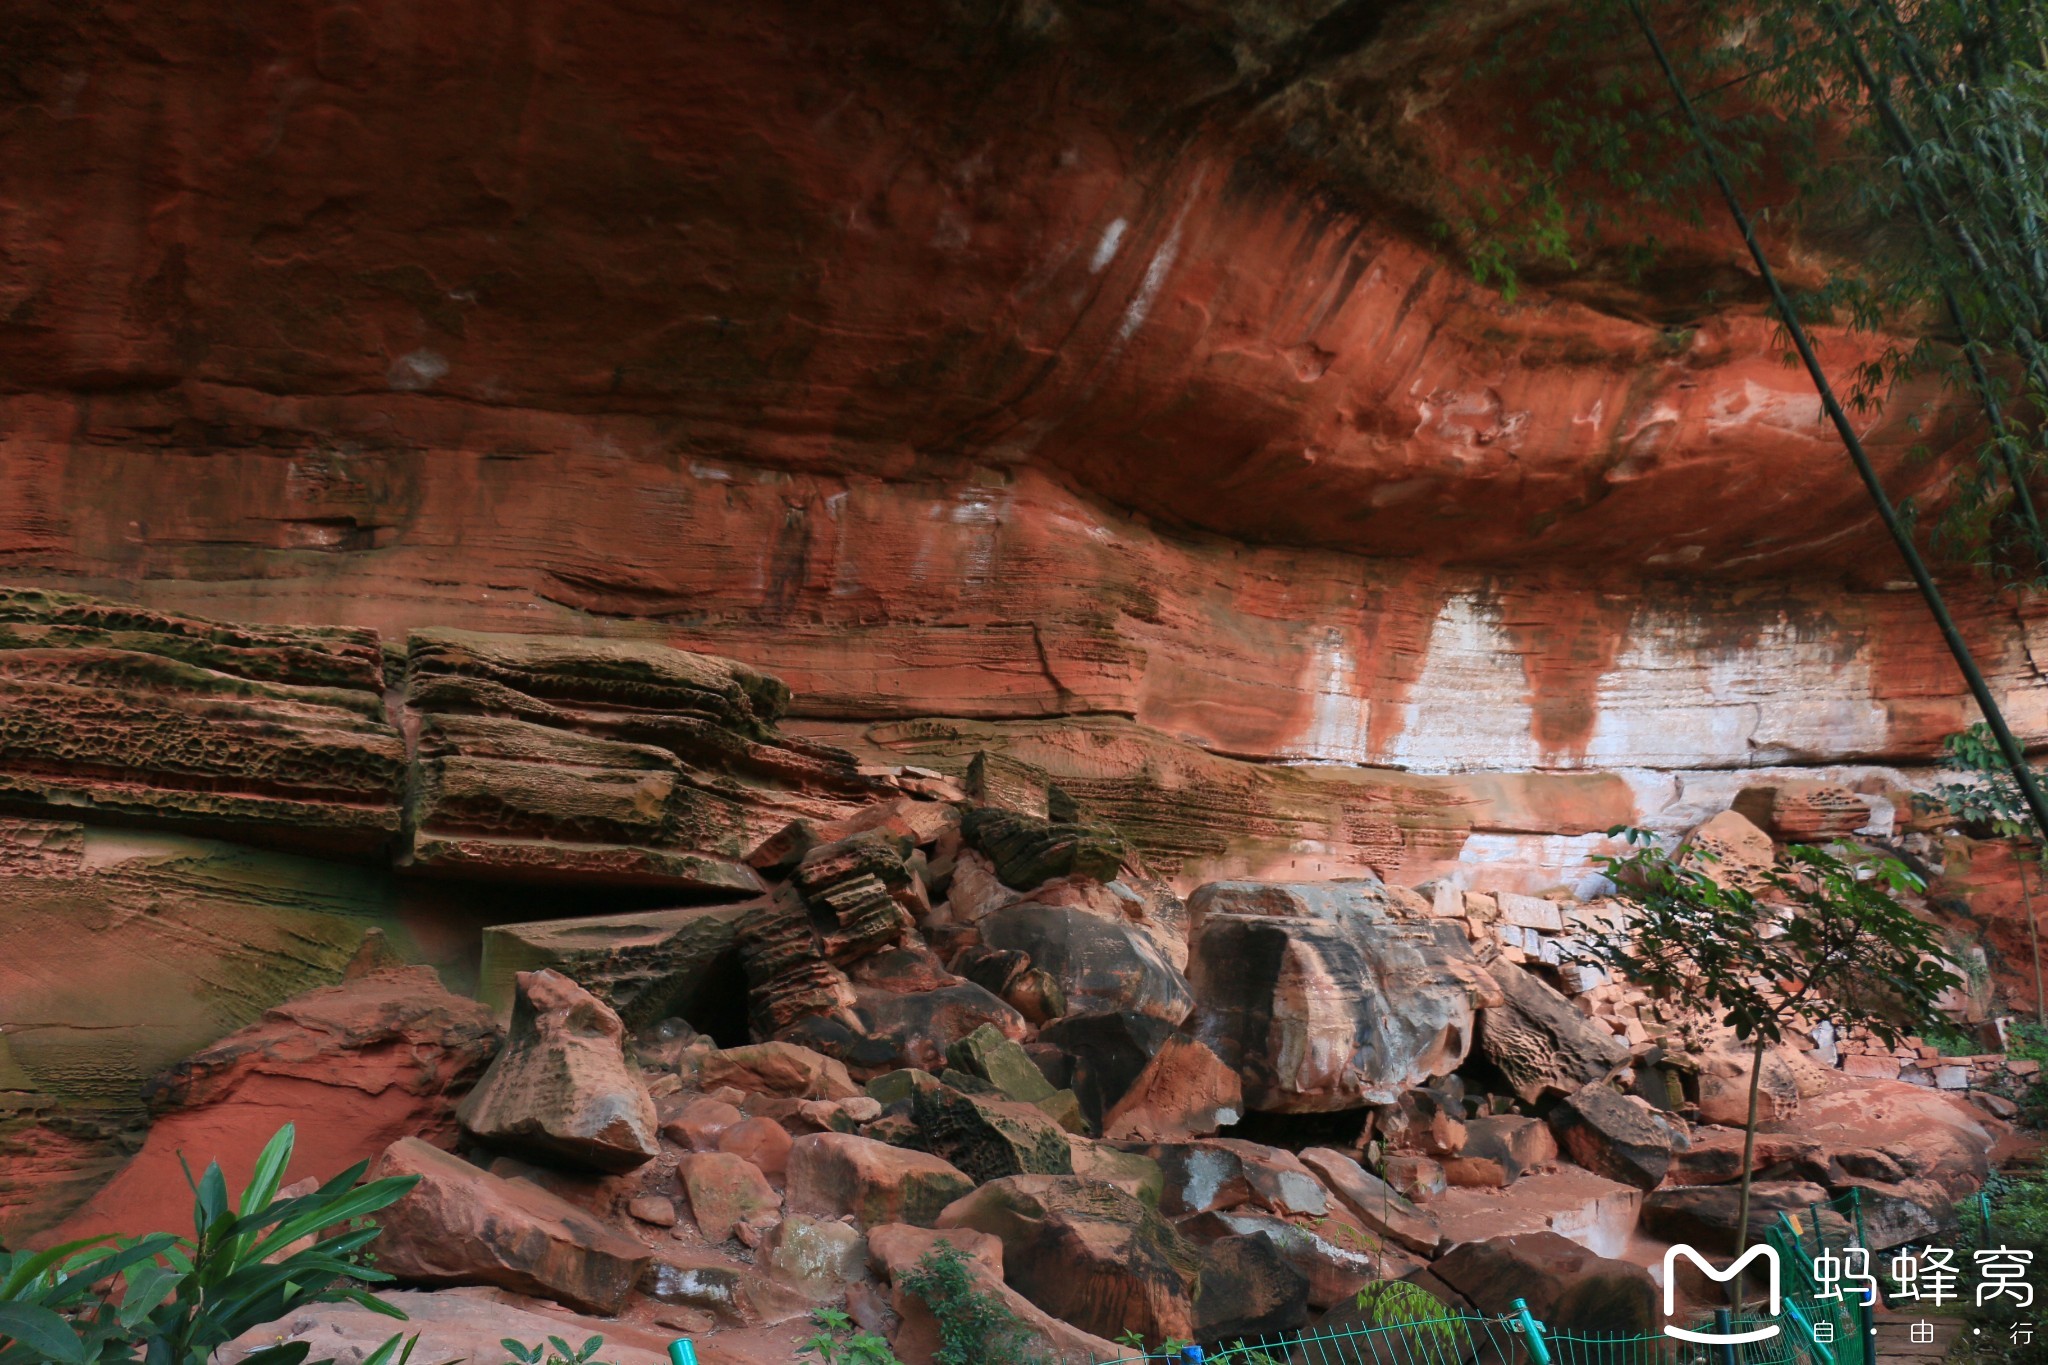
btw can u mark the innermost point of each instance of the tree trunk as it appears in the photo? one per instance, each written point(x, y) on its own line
point(1756, 1076)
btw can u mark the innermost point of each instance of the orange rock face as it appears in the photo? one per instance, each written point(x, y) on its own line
point(355, 1067)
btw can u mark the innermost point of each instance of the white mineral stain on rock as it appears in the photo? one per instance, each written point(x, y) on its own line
point(416, 370)
point(1105, 250)
point(1469, 708)
point(1677, 699)
point(1338, 718)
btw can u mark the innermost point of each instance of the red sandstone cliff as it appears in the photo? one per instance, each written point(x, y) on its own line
point(998, 361)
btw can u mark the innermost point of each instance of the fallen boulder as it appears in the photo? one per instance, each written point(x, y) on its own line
point(704, 1282)
point(460, 1225)
point(1614, 1135)
point(915, 1028)
point(561, 1087)
point(1597, 1213)
point(1930, 1134)
point(1132, 1171)
point(725, 1191)
point(1331, 1010)
point(700, 1123)
point(1498, 1149)
point(1714, 1157)
point(840, 1174)
point(1539, 1043)
point(1705, 1215)
point(1567, 1288)
point(1011, 978)
point(761, 1141)
point(1107, 1052)
point(463, 1324)
point(1248, 1287)
point(1184, 1090)
point(1892, 1214)
point(896, 1251)
point(1375, 1203)
point(648, 965)
point(1026, 850)
point(1099, 964)
point(1213, 1174)
point(1334, 1259)
point(775, 1069)
point(988, 1137)
point(1088, 1253)
point(1003, 1063)
point(816, 1257)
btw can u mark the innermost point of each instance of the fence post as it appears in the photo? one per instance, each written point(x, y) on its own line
point(1868, 1328)
point(1984, 1214)
point(1532, 1332)
point(1724, 1326)
point(681, 1352)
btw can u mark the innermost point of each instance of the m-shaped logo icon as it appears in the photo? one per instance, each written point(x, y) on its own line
point(1768, 1253)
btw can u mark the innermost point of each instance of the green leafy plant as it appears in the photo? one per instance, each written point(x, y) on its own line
point(1239, 1353)
point(182, 1299)
point(840, 1342)
point(1819, 934)
point(1950, 1041)
point(975, 1327)
point(1397, 1303)
point(555, 1352)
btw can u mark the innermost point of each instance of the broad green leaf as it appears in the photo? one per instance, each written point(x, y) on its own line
point(25, 1271)
point(389, 1351)
point(210, 1200)
point(288, 1353)
point(147, 1288)
point(41, 1330)
point(269, 1173)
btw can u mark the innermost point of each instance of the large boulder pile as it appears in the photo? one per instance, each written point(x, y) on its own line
point(905, 1017)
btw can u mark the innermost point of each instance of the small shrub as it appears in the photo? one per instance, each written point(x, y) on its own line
point(1397, 1303)
point(838, 1343)
point(1238, 1353)
point(1945, 1037)
point(556, 1352)
point(975, 1327)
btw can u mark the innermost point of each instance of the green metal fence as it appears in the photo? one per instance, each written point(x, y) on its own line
point(1466, 1339)
point(1816, 1330)
point(1833, 1226)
